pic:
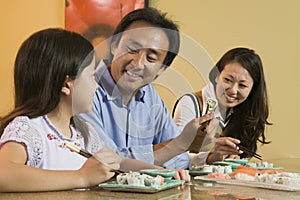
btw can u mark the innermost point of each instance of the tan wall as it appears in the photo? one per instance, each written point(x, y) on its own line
point(270, 27)
point(19, 19)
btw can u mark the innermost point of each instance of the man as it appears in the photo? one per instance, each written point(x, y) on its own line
point(127, 112)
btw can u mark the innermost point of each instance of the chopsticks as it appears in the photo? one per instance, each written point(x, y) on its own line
point(86, 154)
point(211, 105)
point(76, 149)
point(255, 155)
point(205, 124)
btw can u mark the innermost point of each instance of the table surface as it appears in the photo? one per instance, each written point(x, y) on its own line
point(196, 190)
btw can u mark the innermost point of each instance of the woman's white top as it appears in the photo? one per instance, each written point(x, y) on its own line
point(185, 112)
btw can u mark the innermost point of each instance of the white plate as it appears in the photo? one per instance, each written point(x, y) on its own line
point(273, 186)
point(267, 168)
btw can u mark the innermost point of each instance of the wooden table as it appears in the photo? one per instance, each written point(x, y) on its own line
point(197, 190)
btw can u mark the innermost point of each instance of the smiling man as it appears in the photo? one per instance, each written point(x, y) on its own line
point(128, 113)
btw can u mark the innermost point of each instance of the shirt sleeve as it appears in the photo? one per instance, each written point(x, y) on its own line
point(180, 162)
point(198, 158)
point(99, 139)
point(21, 131)
point(184, 113)
point(170, 131)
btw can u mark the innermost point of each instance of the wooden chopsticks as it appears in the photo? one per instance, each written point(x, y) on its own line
point(255, 155)
point(204, 124)
point(87, 154)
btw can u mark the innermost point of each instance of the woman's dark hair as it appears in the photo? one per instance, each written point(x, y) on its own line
point(157, 19)
point(42, 64)
point(251, 115)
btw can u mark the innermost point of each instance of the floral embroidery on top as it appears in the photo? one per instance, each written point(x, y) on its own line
point(54, 138)
point(79, 136)
point(51, 136)
point(58, 138)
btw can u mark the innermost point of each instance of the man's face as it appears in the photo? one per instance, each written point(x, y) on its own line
point(139, 56)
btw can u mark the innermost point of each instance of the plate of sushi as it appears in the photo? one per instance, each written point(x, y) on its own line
point(208, 169)
point(263, 165)
point(140, 182)
point(275, 179)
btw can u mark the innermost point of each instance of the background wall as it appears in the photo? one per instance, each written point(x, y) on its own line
point(269, 27)
point(19, 19)
point(209, 28)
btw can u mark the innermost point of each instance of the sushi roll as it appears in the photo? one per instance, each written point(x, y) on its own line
point(135, 178)
point(122, 178)
point(219, 169)
point(227, 169)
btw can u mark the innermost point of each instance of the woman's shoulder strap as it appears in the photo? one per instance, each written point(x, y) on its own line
point(198, 94)
point(197, 103)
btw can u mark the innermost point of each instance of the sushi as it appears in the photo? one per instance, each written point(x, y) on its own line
point(138, 179)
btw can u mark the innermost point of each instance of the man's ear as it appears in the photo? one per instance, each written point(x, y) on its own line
point(67, 87)
point(160, 71)
point(113, 47)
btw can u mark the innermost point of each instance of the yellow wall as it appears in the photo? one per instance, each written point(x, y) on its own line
point(209, 29)
point(19, 19)
point(272, 29)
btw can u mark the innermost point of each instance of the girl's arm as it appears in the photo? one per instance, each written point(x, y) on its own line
point(15, 176)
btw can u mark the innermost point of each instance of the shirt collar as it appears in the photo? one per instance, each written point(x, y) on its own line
point(105, 80)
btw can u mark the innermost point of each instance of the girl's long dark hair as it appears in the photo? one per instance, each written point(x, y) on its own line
point(42, 64)
point(250, 117)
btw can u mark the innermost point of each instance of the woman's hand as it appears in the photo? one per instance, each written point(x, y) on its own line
point(224, 147)
point(99, 168)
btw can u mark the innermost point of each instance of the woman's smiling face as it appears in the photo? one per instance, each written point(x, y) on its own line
point(233, 85)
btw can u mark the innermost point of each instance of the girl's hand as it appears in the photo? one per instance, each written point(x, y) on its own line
point(99, 168)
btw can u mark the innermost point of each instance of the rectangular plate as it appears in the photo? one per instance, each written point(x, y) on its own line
point(267, 168)
point(222, 163)
point(239, 161)
point(113, 186)
point(198, 172)
point(273, 186)
point(154, 172)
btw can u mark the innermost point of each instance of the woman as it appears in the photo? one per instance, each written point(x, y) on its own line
point(238, 86)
